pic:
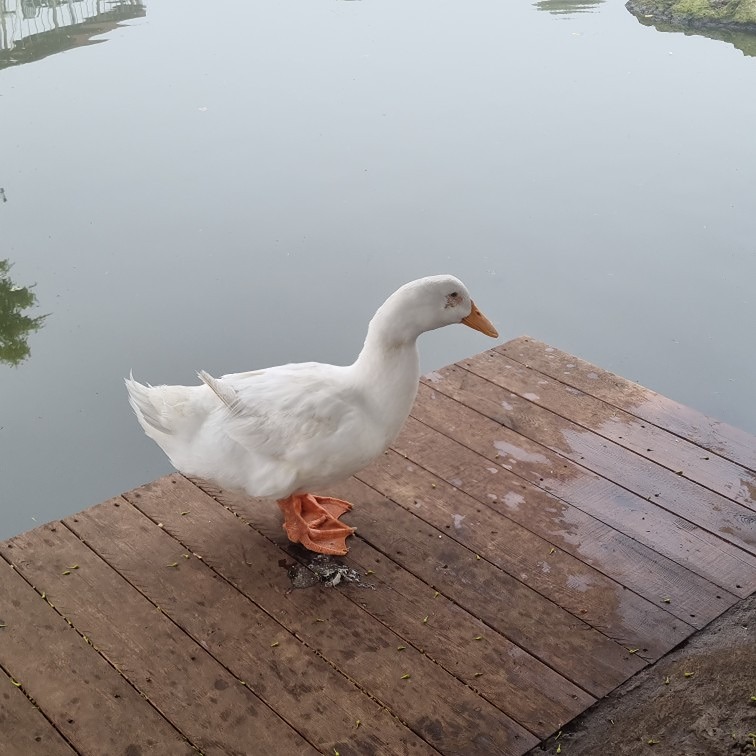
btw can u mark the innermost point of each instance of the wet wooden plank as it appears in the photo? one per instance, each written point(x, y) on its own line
point(23, 728)
point(645, 439)
point(86, 699)
point(307, 692)
point(500, 601)
point(508, 677)
point(190, 688)
point(452, 405)
point(708, 433)
point(575, 560)
point(571, 647)
point(729, 520)
point(585, 593)
point(448, 715)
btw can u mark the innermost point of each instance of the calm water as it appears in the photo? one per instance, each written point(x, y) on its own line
point(232, 186)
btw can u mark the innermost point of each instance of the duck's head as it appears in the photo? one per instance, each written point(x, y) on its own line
point(430, 303)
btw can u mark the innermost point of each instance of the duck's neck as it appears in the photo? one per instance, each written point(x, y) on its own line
point(388, 368)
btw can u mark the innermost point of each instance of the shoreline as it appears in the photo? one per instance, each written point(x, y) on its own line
point(692, 15)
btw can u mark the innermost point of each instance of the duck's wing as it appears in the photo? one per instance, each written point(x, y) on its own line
point(287, 412)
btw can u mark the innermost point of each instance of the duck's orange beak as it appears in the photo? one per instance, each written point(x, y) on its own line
point(477, 320)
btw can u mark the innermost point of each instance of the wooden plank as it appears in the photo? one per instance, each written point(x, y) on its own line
point(448, 715)
point(540, 531)
point(571, 647)
point(86, 699)
point(547, 468)
point(729, 520)
point(678, 455)
point(306, 691)
point(513, 680)
point(605, 605)
point(719, 438)
point(193, 691)
point(23, 728)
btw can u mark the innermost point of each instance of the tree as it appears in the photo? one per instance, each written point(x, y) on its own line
point(15, 326)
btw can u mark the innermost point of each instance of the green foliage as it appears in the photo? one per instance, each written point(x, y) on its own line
point(732, 14)
point(738, 11)
point(732, 21)
point(15, 326)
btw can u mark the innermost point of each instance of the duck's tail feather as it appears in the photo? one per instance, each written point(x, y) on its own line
point(148, 414)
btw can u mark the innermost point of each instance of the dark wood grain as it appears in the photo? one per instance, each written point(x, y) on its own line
point(87, 700)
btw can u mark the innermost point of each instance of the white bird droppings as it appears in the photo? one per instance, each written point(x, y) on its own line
point(517, 453)
point(513, 500)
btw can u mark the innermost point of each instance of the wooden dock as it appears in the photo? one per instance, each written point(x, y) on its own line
point(540, 531)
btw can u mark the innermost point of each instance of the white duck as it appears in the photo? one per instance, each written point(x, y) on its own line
point(284, 431)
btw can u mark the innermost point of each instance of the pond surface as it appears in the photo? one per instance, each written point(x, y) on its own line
point(233, 186)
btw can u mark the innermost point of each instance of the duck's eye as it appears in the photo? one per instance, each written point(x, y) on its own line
point(453, 299)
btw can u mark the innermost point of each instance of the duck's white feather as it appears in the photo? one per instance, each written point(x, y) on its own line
point(299, 427)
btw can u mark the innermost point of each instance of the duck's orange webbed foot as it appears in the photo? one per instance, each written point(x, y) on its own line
point(313, 521)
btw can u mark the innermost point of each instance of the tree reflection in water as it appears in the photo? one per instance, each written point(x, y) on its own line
point(15, 325)
point(568, 7)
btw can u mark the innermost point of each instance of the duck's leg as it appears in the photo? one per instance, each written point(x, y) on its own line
point(313, 521)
